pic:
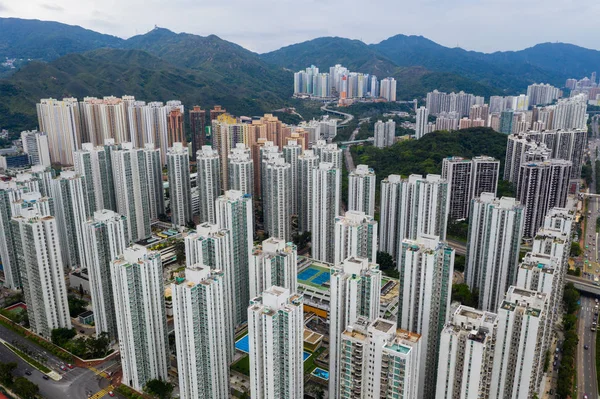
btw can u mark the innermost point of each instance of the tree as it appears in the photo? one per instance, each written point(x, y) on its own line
point(6, 376)
point(180, 251)
point(60, 336)
point(459, 263)
point(159, 389)
point(25, 388)
point(76, 306)
point(98, 347)
point(462, 294)
point(575, 249)
point(385, 261)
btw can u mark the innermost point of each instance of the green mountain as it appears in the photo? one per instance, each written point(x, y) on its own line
point(46, 40)
point(413, 81)
point(328, 51)
point(118, 72)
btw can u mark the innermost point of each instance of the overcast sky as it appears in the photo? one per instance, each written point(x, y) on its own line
point(265, 25)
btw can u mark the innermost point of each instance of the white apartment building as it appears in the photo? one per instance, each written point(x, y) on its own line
point(131, 179)
point(379, 360)
point(209, 182)
point(277, 198)
point(493, 245)
point(72, 210)
point(361, 190)
point(275, 332)
point(60, 120)
point(105, 240)
point(95, 164)
point(520, 342)
point(241, 169)
point(35, 144)
point(355, 289)
point(466, 354)
point(412, 207)
point(325, 202)
point(39, 260)
point(275, 262)
point(199, 321)
point(422, 119)
point(426, 269)
point(306, 163)
point(291, 152)
point(234, 213)
point(355, 237)
point(210, 246)
point(180, 187)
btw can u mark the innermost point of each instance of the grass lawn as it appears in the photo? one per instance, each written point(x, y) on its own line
point(242, 366)
point(309, 364)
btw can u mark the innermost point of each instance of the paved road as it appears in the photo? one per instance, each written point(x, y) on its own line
point(586, 365)
point(348, 117)
point(77, 383)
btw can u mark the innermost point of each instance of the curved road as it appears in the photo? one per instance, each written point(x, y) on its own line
point(348, 117)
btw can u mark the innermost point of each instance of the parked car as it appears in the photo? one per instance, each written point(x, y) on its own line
point(111, 393)
point(586, 347)
point(63, 368)
point(45, 377)
point(70, 366)
point(27, 372)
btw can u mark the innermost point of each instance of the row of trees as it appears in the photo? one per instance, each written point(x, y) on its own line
point(567, 370)
point(20, 385)
point(83, 347)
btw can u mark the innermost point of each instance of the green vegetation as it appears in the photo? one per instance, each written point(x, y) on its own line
point(576, 249)
point(567, 369)
point(547, 358)
point(459, 263)
point(458, 230)
point(49, 346)
point(309, 364)
point(386, 264)
point(88, 347)
point(18, 316)
point(242, 366)
point(20, 385)
point(61, 336)
point(344, 132)
point(301, 240)
point(425, 155)
point(28, 359)
point(574, 272)
point(76, 305)
point(159, 389)
point(586, 172)
point(506, 189)
point(598, 224)
point(462, 294)
point(128, 392)
point(597, 167)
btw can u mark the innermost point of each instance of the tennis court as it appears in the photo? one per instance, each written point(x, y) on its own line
point(308, 273)
point(322, 278)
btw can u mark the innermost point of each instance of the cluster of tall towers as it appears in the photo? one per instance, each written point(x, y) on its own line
point(264, 177)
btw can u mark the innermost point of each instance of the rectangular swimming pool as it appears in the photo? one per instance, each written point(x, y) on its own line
point(322, 374)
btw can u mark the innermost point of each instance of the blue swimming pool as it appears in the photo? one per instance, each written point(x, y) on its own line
point(319, 372)
point(243, 345)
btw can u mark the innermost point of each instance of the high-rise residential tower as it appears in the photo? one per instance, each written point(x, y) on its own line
point(199, 320)
point(210, 246)
point(466, 354)
point(355, 236)
point(95, 164)
point(241, 170)
point(39, 260)
point(379, 360)
point(131, 190)
point(306, 163)
point(277, 199)
point(426, 270)
point(209, 182)
point(197, 127)
point(72, 210)
point(106, 239)
point(60, 120)
point(422, 119)
point(355, 289)
point(291, 152)
point(361, 190)
point(139, 294)
point(234, 212)
point(493, 244)
point(326, 186)
point(275, 332)
point(180, 188)
point(273, 263)
point(35, 144)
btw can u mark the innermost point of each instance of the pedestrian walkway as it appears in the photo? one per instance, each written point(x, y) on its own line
point(101, 393)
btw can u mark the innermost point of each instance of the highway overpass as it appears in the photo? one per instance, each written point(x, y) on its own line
point(584, 285)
